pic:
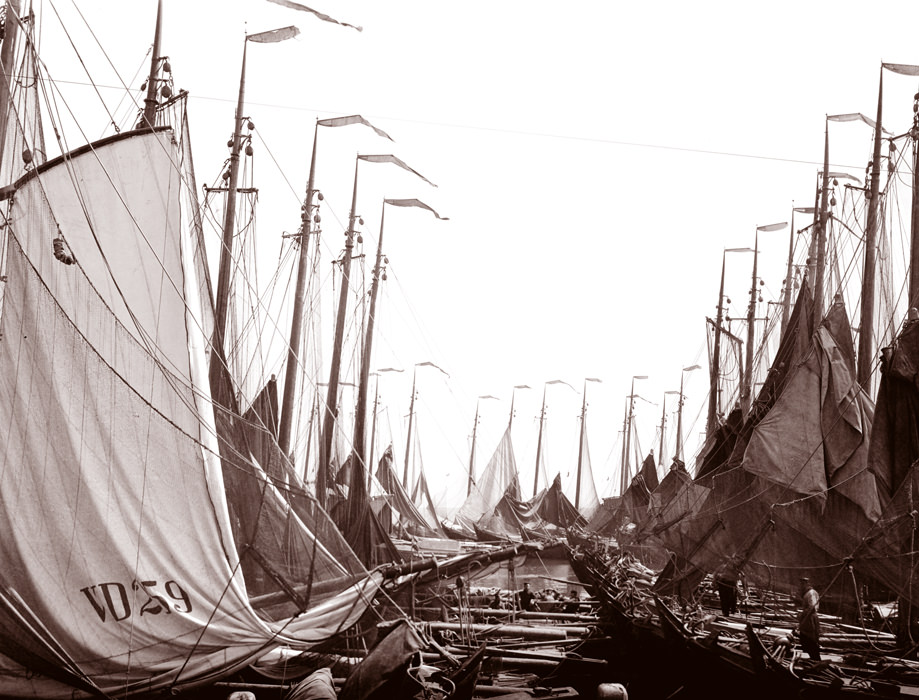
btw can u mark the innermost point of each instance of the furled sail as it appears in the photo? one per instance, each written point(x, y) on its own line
point(410, 520)
point(804, 465)
point(499, 478)
point(586, 498)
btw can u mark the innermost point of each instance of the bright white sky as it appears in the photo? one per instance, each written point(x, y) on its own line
point(595, 158)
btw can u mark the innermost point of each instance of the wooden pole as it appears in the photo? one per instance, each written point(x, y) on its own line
point(408, 437)
point(577, 492)
point(331, 405)
point(149, 118)
point(373, 432)
point(821, 228)
point(296, 324)
point(679, 421)
point(360, 415)
point(229, 220)
point(622, 467)
point(475, 425)
point(7, 58)
point(786, 302)
point(746, 390)
point(660, 454)
point(542, 418)
point(714, 396)
point(914, 223)
point(866, 324)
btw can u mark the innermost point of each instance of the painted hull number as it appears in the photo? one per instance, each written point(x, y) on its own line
point(116, 602)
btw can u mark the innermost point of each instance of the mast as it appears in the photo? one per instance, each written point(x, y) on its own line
point(373, 430)
point(296, 324)
point(625, 427)
point(577, 488)
point(314, 417)
point(626, 466)
point(360, 417)
point(811, 274)
point(914, 223)
point(714, 398)
point(746, 389)
point(229, 221)
point(821, 227)
point(542, 418)
point(679, 414)
point(660, 453)
point(408, 437)
point(149, 117)
point(411, 414)
point(7, 57)
point(866, 325)
point(331, 407)
point(786, 302)
point(510, 422)
point(746, 392)
point(475, 425)
point(679, 424)
point(583, 441)
point(628, 435)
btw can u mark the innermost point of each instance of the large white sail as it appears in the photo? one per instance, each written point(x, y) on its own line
point(118, 568)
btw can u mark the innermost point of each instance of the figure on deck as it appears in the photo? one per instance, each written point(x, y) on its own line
point(808, 621)
point(525, 597)
point(573, 604)
point(726, 584)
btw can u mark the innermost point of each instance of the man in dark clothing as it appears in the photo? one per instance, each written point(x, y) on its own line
point(726, 583)
point(808, 622)
point(525, 597)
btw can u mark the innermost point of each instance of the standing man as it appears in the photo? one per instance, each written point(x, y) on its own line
point(808, 621)
point(525, 597)
point(726, 584)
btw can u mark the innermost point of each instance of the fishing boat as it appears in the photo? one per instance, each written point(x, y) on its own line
point(495, 510)
point(810, 477)
point(149, 546)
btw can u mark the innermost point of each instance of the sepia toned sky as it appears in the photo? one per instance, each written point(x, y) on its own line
point(594, 159)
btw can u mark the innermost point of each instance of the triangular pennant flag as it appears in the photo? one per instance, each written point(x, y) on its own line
point(304, 8)
point(561, 381)
point(855, 116)
point(274, 36)
point(414, 203)
point(772, 227)
point(430, 364)
point(353, 119)
point(902, 68)
point(395, 161)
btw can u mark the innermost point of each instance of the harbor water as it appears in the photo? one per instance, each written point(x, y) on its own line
point(543, 574)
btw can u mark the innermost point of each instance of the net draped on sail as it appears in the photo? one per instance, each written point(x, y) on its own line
point(798, 463)
point(119, 563)
point(890, 551)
